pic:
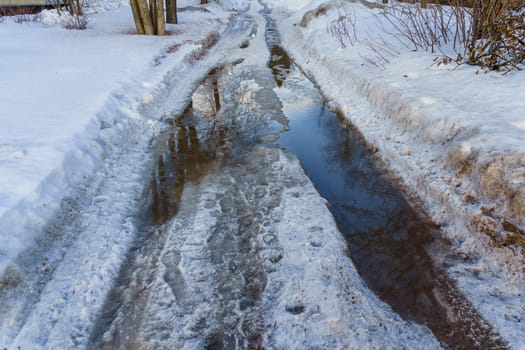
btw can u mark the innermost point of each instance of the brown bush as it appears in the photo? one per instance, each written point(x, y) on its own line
point(19, 10)
point(497, 37)
point(486, 33)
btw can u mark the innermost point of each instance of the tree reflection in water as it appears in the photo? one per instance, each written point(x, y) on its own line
point(190, 154)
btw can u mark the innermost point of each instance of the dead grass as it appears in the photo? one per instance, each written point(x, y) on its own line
point(19, 10)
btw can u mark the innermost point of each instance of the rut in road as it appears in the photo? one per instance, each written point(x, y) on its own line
point(218, 252)
point(392, 242)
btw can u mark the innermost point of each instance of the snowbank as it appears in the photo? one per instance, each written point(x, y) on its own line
point(454, 138)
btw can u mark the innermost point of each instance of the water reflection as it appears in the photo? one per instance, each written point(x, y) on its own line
point(193, 144)
point(280, 64)
point(216, 96)
point(387, 238)
point(210, 88)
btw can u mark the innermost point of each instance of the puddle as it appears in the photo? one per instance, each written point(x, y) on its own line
point(230, 112)
point(195, 144)
point(388, 240)
point(280, 64)
point(192, 145)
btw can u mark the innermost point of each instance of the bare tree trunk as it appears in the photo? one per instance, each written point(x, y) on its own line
point(153, 10)
point(171, 11)
point(204, 2)
point(161, 27)
point(149, 16)
point(136, 17)
point(145, 15)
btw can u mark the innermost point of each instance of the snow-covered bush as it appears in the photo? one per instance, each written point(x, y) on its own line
point(75, 17)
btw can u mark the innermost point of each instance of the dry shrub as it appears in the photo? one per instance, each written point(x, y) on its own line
point(380, 52)
point(76, 10)
point(422, 28)
point(486, 33)
point(497, 34)
point(72, 12)
point(20, 14)
point(344, 27)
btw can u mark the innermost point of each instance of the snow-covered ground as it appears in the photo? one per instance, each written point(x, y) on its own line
point(62, 91)
point(80, 111)
point(454, 137)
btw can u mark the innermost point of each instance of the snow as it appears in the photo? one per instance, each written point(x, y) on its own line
point(57, 104)
point(312, 274)
point(80, 111)
point(234, 269)
point(454, 137)
point(75, 160)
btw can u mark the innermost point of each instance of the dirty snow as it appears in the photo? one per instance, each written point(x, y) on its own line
point(311, 295)
point(233, 270)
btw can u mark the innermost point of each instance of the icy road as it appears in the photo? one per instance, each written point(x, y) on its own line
point(226, 243)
